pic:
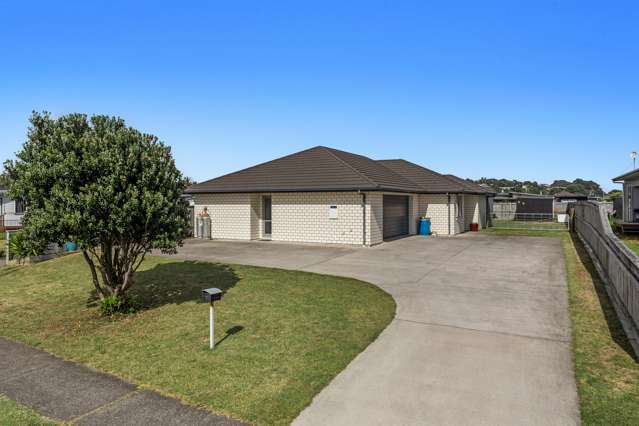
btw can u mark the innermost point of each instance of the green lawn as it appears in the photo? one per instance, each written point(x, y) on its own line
point(606, 372)
point(281, 335)
point(13, 414)
point(529, 225)
point(632, 242)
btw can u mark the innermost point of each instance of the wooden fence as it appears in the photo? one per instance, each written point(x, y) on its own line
point(504, 210)
point(615, 262)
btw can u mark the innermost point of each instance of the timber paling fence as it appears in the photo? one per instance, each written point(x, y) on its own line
point(616, 263)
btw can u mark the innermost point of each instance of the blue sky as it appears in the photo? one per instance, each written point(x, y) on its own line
point(529, 90)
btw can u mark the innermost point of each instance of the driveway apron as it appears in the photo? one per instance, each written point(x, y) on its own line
point(481, 334)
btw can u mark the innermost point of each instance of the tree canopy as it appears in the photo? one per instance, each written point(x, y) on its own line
point(579, 186)
point(108, 187)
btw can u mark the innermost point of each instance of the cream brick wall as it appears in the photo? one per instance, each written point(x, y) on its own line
point(459, 214)
point(255, 201)
point(232, 215)
point(474, 211)
point(414, 213)
point(435, 206)
point(304, 217)
point(374, 218)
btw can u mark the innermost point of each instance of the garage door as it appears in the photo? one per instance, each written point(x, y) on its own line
point(395, 215)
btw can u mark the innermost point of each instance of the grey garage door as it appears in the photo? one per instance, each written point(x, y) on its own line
point(395, 215)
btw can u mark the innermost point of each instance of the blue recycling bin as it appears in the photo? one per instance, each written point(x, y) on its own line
point(70, 246)
point(424, 226)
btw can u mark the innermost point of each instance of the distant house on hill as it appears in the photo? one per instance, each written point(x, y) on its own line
point(11, 211)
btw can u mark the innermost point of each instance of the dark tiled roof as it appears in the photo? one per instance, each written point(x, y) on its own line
point(315, 169)
point(471, 186)
point(328, 169)
point(428, 180)
point(566, 194)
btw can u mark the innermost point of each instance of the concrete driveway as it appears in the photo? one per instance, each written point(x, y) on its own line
point(481, 335)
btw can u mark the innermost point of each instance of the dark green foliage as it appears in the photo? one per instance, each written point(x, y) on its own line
point(110, 188)
point(615, 193)
point(112, 305)
point(4, 180)
point(20, 247)
point(579, 186)
point(614, 224)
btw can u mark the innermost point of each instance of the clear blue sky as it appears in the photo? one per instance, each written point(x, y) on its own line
point(529, 90)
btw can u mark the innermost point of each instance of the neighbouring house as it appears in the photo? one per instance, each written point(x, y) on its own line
point(11, 211)
point(563, 198)
point(324, 195)
point(630, 197)
point(569, 197)
point(522, 206)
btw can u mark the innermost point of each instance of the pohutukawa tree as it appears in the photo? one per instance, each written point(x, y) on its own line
point(110, 188)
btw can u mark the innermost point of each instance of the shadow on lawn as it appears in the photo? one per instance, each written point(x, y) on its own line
point(177, 282)
point(612, 320)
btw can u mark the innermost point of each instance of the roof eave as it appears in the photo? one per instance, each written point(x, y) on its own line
point(626, 176)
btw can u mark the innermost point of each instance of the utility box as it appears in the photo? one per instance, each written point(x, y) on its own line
point(212, 294)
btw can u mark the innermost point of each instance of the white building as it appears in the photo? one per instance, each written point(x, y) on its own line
point(323, 195)
point(11, 211)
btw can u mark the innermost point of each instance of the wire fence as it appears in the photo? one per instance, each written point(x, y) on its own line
point(531, 223)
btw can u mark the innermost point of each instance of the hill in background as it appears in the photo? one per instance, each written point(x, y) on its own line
point(578, 186)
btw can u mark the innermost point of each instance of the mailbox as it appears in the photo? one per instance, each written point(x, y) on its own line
point(212, 294)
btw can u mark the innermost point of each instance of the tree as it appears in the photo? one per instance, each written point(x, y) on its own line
point(110, 188)
point(615, 193)
point(4, 180)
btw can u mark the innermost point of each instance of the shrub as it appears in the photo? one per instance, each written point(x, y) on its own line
point(614, 224)
point(113, 305)
point(21, 248)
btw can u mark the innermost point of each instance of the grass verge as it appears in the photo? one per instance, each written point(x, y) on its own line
point(632, 241)
point(607, 374)
point(13, 414)
point(281, 335)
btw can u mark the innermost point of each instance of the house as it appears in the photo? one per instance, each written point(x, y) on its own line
point(522, 206)
point(569, 197)
point(324, 195)
point(11, 211)
point(564, 198)
point(630, 202)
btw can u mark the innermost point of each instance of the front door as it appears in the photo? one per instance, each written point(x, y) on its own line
point(267, 222)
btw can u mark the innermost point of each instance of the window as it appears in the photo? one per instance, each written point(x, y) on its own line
point(19, 206)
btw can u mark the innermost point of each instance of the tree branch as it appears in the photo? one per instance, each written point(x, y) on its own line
point(94, 275)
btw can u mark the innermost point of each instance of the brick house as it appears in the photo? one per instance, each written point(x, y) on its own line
point(323, 195)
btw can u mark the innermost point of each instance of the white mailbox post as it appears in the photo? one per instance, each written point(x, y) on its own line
point(211, 295)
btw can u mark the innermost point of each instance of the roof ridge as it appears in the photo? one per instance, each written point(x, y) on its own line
point(334, 155)
point(256, 165)
point(381, 163)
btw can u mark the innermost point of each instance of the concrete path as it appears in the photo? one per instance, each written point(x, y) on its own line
point(70, 392)
point(481, 335)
